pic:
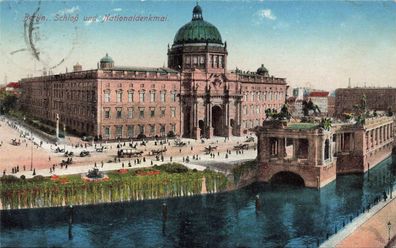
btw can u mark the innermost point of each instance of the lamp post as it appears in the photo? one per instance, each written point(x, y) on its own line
point(389, 228)
point(64, 136)
point(31, 152)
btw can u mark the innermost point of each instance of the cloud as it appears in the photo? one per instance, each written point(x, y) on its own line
point(93, 20)
point(71, 10)
point(117, 9)
point(266, 14)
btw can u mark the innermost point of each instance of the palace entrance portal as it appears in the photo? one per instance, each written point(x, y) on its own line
point(217, 122)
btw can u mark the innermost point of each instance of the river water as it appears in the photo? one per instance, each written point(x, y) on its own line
point(289, 216)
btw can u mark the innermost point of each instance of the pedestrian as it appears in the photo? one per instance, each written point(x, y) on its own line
point(129, 164)
point(144, 159)
point(34, 172)
point(95, 164)
point(171, 158)
point(180, 150)
point(122, 164)
point(101, 163)
point(24, 168)
point(49, 158)
point(191, 148)
point(50, 170)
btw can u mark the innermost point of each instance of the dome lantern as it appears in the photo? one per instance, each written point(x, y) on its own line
point(262, 71)
point(197, 13)
point(106, 62)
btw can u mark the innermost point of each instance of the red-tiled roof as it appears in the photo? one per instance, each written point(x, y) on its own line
point(319, 94)
point(13, 85)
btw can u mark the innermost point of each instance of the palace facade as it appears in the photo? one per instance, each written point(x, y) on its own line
point(195, 96)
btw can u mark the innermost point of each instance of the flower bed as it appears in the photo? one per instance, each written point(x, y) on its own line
point(149, 184)
point(122, 171)
point(148, 173)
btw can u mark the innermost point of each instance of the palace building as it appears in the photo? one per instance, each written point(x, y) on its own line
point(195, 96)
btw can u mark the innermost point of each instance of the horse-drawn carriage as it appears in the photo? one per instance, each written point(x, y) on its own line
point(158, 151)
point(66, 162)
point(100, 149)
point(15, 142)
point(180, 143)
point(59, 150)
point(241, 147)
point(84, 153)
point(129, 153)
point(210, 149)
point(69, 154)
point(249, 139)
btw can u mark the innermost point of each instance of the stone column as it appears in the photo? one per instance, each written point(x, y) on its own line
point(281, 148)
point(57, 126)
point(295, 148)
point(351, 141)
point(196, 129)
point(387, 132)
point(209, 127)
point(228, 130)
point(321, 147)
point(312, 151)
point(342, 141)
point(367, 140)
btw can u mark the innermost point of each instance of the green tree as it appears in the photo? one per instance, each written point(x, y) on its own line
point(7, 102)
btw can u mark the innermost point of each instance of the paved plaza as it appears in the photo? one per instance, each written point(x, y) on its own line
point(43, 157)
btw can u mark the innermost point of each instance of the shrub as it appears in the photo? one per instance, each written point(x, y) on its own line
point(141, 136)
point(38, 178)
point(23, 177)
point(171, 134)
point(9, 179)
point(173, 168)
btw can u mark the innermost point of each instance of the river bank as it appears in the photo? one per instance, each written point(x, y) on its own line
point(165, 181)
point(370, 229)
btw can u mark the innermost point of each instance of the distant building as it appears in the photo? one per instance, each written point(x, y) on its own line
point(13, 88)
point(380, 99)
point(300, 92)
point(320, 98)
point(331, 106)
point(295, 107)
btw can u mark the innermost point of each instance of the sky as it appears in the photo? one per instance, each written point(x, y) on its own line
point(319, 44)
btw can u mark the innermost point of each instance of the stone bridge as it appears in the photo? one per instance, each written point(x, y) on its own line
point(305, 153)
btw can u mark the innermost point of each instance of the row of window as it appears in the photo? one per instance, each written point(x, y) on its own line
point(131, 131)
point(251, 123)
point(119, 114)
point(257, 109)
point(142, 96)
point(263, 96)
point(215, 61)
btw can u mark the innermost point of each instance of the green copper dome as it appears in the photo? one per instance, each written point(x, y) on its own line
point(197, 31)
point(262, 70)
point(106, 59)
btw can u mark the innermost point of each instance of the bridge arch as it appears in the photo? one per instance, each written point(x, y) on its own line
point(287, 177)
